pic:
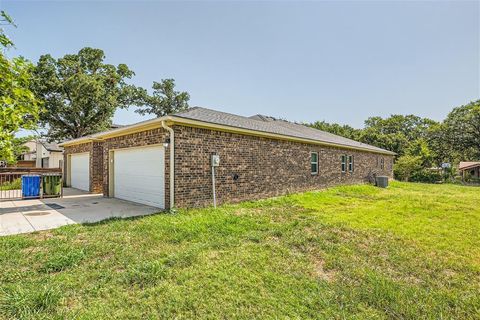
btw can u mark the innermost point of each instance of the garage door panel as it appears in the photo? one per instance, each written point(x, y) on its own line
point(139, 175)
point(80, 171)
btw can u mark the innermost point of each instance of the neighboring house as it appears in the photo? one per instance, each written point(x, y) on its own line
point(472, 168)
point(45, 154)
point(31, 153)
point(258, 157)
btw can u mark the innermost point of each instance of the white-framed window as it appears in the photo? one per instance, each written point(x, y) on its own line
point(314, 162)
point(350, 163)
point(382, 163)
point(344, 163)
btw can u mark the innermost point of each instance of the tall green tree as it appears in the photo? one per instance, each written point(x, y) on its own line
point(19, 146)
point(164, 100)
point(462, 127)
point(420, 148)
point(396, 132)
point(440, 146)
point(81, 93)
point(19, 108)
point(340, 130)
point(5, 20)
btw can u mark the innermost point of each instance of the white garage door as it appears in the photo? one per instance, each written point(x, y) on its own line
point(139, 175)
point(80, 171)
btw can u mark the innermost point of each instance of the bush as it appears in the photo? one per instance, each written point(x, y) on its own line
point(471, 179)
point(14, 185)
point(426, 176)
point(406, 166)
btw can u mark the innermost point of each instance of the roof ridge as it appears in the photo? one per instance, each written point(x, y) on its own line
point(280, 126)
point(186, 110)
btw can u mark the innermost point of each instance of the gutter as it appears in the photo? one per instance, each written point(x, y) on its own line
point(172, 163)
point(101, 136)
point(80, 141)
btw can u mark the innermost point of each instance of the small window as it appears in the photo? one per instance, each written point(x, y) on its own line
point(382, 163)
point(350, 163)
point(314, 162)
point(344, 163)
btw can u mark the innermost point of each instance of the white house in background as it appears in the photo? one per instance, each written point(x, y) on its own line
point(45, 154)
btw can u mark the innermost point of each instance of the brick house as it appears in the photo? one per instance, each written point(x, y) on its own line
point(258, 157)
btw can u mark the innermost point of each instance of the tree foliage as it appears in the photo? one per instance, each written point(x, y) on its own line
point(164, 100)
point(341, 130)
point(19, 147)
point(19, 108)
point(406, 165)
point(420, 143)
point(81, 93)
point(396, 132)
point(462, 130)
point(5, 19)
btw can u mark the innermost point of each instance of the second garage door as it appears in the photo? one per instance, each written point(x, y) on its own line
point(139, 175)
point(80, 171)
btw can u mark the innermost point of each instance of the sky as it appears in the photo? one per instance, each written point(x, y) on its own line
point(338, 61)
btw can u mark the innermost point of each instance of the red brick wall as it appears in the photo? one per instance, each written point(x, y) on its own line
point(265, 167)
point(95, 149)
point(96, 167)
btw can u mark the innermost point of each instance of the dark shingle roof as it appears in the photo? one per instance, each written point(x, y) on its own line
point(51, 146)
point(271, 125)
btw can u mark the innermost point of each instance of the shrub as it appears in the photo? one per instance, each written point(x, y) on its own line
point(14, 185)
point(426, 176)
point(406, 166)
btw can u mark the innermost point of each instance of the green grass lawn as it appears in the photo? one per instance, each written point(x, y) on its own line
point(356, 252)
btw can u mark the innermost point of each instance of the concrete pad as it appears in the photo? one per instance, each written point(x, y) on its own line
point(14, 223)
point(27, 203)
point(7, 204)
point(46, 219)
point(76, 206)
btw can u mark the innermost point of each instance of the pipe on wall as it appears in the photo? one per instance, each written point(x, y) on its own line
point(172, 163)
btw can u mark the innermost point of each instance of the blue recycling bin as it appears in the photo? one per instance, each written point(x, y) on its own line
point(30, 186)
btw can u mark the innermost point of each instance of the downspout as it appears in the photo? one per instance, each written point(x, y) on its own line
point(172, 163)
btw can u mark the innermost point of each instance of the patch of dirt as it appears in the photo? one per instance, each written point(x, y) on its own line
point(274, 239)
point(42, 235)
point(32, 250)
point(320, 272)
point(247, 211)
point(81, 238)
point(213, 255)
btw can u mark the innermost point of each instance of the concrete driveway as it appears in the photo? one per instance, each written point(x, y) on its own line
point(22, 216)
